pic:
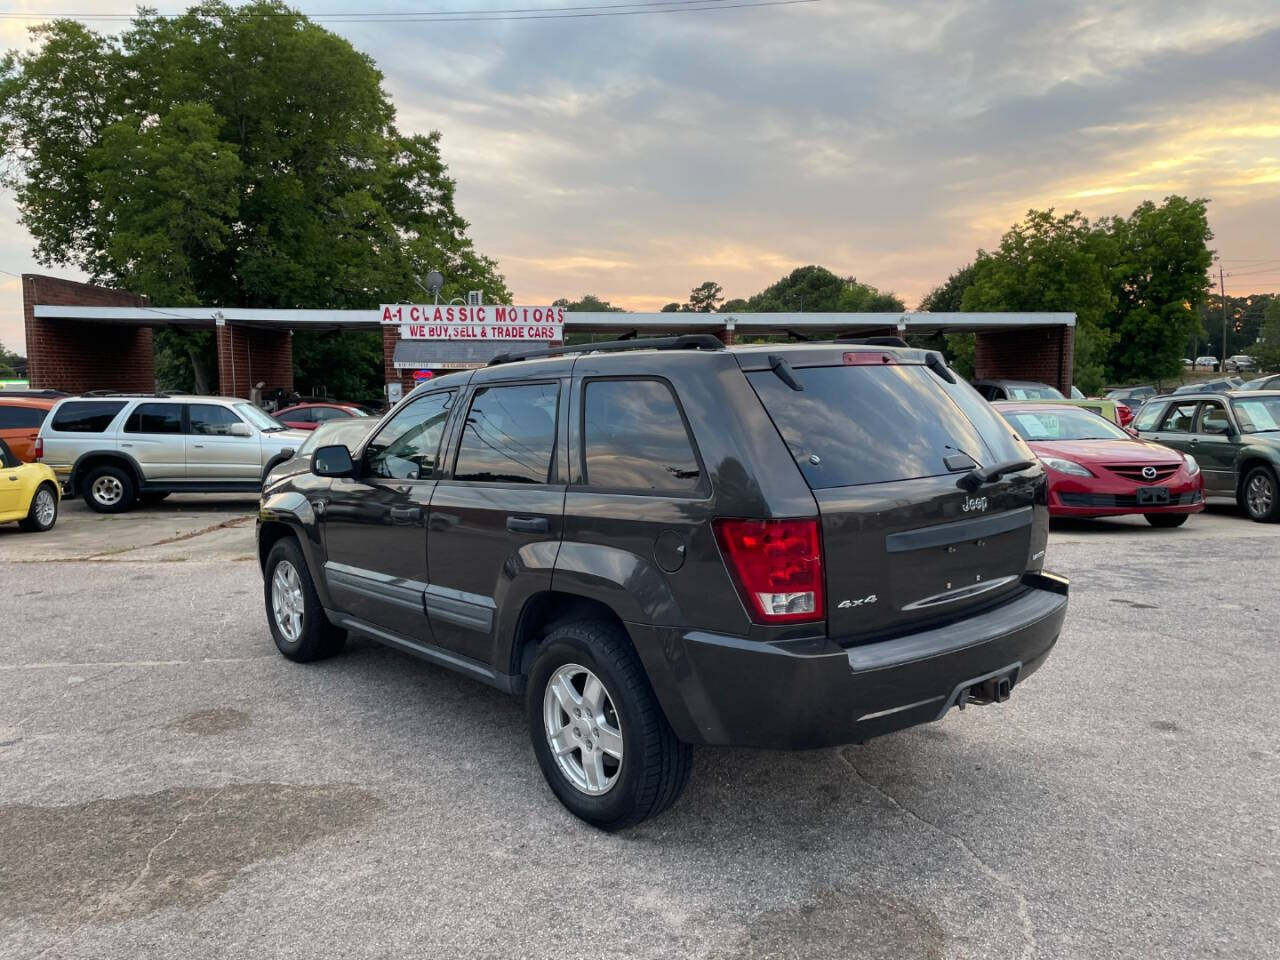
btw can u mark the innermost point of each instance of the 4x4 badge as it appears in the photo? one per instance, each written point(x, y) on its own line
point(846, 604)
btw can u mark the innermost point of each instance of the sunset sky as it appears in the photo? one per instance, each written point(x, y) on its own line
point(634, 157)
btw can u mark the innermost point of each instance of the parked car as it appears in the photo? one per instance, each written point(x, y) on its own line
point(349, 432)
point(1222, 385)
point(1269, 382)
point(20, 420)
point(1109, 410)
point(1077, 393)
point(668, 542)
point(1241, 362)
point(308, 416)
point(1132, 397)
point(1206, 363)
point(28, 493)
point(1016, 390)
point(1097, 469)
point(116, 450)
point(1187, 362)
point(1235, 438)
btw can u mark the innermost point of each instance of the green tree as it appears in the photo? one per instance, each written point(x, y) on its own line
point(672, 308)
point(1267, 350)
point(588, 304)
point(1158, 281)
point(736, 305)
point(1051, 263)
point(231, 156)
point(949, 298)
point(705, 297)
point(815, 289)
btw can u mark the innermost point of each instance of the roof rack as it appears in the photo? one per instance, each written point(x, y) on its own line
point(689, 341)
point(24, 392)
point(119, 393)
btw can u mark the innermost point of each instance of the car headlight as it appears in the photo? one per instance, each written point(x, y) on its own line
point(1066, 466)
point(1192, 467)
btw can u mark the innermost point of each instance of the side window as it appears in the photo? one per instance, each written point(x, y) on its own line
point(407, 448)
point(1179, 418)
point(155, 418)
point(634, 438)
point(210, 420)
point(509, 434)
point(324, 414)
point(7, 458)
point(86, 416)
point(21, 418)
point(1214, 419)
point(1149, 416)
point(306, 415)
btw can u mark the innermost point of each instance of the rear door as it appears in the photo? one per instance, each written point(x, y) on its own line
point(1214, 446)
point(152, 435)
point(882, 447)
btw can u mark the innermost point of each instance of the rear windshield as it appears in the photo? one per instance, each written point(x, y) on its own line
point(874, 424)
point(19, 418)
point(1032, 392)
point(86, 416)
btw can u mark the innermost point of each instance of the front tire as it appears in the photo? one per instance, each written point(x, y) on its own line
point(298, 625)
point(601, 739)
point(1259, 495)
point(43, 513)
point(1164, 520)
point(109, 489)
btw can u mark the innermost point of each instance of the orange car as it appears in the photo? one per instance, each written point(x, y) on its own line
point(20, 419)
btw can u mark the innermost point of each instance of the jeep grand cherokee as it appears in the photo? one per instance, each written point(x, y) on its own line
point(663, 543)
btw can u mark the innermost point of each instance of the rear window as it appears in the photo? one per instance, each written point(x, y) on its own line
point(21, 418)
point(85, 416)
point(155, 418)
point(1031, 392)
point(634, 439)
point(875, 424)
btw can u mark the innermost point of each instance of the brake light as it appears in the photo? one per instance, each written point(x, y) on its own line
point(39, 448)
point(777, 566)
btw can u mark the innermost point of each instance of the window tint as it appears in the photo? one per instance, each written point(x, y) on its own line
point(305, 415)
point(1179, 418)
point(321, 414)
point(7, 457)
point(407, 448)
point(1214, 419)
point(1259, 416)
point(21, 418)
point(1149, 416)
point(510, 434)
point(1035, 393)
point(86, 416)
point(635, 439)
point(1064, 425)
point(210, 420)
point(155, 418)
point(864, 424)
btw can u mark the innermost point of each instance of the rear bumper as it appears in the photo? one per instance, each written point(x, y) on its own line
point(814, 693)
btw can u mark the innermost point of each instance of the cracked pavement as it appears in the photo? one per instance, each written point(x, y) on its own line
point(169, 786)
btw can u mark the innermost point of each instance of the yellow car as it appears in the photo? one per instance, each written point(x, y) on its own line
point(29, 492)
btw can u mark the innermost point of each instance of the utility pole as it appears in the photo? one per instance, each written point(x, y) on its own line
point(1222, 291)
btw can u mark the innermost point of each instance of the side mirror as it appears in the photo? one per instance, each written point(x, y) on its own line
point(240, 430)
point(332, 461)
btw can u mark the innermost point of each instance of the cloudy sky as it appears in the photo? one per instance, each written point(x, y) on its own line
point(634, 157)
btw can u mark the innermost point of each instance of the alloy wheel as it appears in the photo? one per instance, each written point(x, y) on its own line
point(108, 490)
point(46, 508)
point(583, 729)
point(1260, 495)
point(287, 601)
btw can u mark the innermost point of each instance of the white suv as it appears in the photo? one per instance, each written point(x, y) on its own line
point(117, 449)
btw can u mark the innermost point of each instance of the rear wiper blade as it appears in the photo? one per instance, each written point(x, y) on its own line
point(783, 371)
point(981, 476)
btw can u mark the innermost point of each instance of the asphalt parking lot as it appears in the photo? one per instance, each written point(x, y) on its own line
point(170, 786)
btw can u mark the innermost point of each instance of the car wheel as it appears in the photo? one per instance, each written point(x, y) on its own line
point(1260, 495)
point(109, 489)
point(1166, 519)
point(600, 736)
point(43, 513)
point(298, 625)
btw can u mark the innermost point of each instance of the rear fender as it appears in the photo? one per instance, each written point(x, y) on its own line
point(628, 584)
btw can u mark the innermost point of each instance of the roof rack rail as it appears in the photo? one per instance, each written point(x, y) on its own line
point(689, 341)
point(123, 393)
point(874, 341)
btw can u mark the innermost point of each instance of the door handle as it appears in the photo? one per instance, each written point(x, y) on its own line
point(126, 444)
point(198, 446)
point(528, 524)
point(1194, 440)
point(406, 514)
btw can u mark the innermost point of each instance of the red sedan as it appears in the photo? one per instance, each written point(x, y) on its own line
point(1096, 469)
point(308, 416)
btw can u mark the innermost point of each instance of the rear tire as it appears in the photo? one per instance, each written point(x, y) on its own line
point(1166, 519)
point(298, 625)
point(640, 766)
point(43, 513)
point(1260, 496)
point(109, 489)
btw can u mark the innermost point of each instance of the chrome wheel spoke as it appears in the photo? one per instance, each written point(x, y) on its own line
point(287, 604)
point(565, 694)
point(610, 741)
point(593, 769)
point(592, 697)
point(564, 742)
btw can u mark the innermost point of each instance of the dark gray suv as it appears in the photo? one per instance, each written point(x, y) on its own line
point(663, 543)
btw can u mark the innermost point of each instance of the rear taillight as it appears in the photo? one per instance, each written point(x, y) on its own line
point(39, 449)
point(777, 565)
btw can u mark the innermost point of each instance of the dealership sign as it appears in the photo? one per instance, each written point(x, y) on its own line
point(492, 322)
